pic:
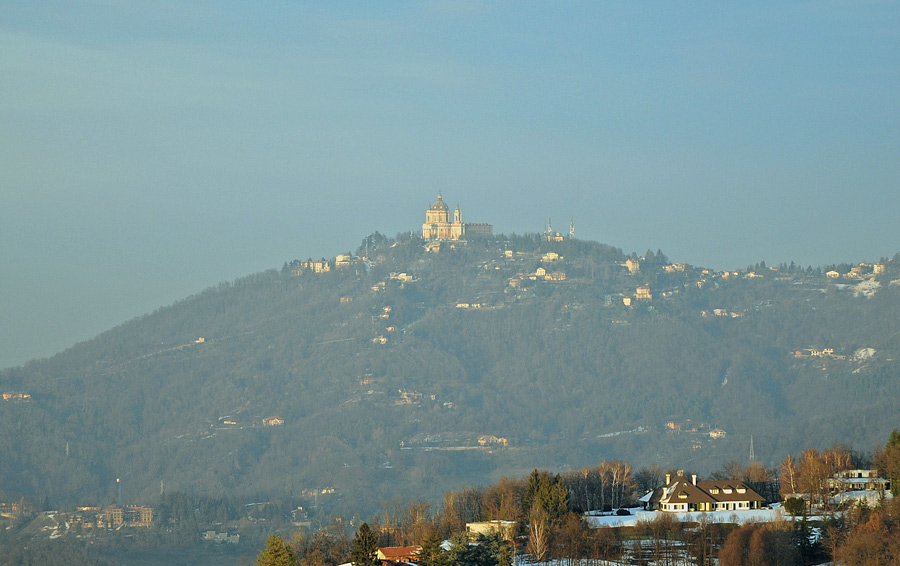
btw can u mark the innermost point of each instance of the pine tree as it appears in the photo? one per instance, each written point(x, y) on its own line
point(432, 554)
point(505, 558)
point(365, 547)
point(276, 553)
point(888, 461)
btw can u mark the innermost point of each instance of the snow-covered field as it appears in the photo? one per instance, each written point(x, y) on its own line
point(775, 513)
point(740, 517)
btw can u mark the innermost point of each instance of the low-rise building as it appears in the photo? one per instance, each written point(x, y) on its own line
point(858, 480)
point(632, 265)
point(314, 266)
point(506, 529)
point(399, 553)
point(682, 495)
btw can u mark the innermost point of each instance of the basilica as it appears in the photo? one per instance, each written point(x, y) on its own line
point(439, 227)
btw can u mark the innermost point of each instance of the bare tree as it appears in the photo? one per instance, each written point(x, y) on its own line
point(538, 533)
point(789, 477)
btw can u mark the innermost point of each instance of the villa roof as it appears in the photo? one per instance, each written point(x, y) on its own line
point(682, 490)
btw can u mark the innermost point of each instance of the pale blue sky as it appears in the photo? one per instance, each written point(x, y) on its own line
point(150, 151)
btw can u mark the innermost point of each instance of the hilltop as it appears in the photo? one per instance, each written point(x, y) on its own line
point(413, 367)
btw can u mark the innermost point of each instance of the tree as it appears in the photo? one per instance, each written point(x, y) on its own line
point(505, 558)
point(276, 553)
point(788, 476)
point(485, 553)
point(570, 539)
point(548, 493)
point(365, 547)
point(649, 478)
point(794, 506)
point(888, 461)
point(538, 533)
point(432, 554)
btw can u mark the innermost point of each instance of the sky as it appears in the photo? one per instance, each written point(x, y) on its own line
point(150, 150)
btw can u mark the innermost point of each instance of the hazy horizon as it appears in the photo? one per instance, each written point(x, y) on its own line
point(152, 151)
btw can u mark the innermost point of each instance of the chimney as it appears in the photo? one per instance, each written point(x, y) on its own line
point(694, 479)
point(668, 479)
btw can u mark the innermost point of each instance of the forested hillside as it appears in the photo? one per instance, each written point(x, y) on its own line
point(410, 371)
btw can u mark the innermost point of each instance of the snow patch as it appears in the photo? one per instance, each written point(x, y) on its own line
point(863, 354)
point(866, 288)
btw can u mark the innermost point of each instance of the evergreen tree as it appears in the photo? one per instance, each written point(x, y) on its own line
point(432, 553)
point(548, 493)
point(365, 547)
point(888, 461)
point(276, 553)
point(505, 558)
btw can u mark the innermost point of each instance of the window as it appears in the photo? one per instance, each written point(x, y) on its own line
point(714, 490)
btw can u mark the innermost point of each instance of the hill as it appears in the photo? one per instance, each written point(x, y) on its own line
point(410, 372)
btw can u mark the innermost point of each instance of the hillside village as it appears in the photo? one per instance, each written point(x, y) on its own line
point(448, 357)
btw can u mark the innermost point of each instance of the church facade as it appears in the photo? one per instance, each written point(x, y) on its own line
point(438, 225)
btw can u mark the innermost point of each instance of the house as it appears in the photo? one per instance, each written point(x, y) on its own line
point(643, 293)
point(486, 439)
point(832, 274)
point(15, 396)
point(129, 516)
point(683, 495)
point(858, 480)
point(399, 553)
point(316, 266)
point(273, 421)
point(633, 265)
point(507, 529)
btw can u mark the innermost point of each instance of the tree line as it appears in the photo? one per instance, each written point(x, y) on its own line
point(548, 512)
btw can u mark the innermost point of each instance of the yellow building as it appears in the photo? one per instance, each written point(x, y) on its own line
point(633, 265)
point(438, 225)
